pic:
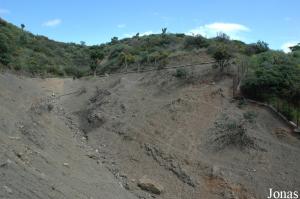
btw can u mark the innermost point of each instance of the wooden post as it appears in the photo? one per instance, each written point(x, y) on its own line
point(297, 116)
point(234, 86)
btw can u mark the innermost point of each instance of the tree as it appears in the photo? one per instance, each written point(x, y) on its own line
point(4, 50)
point(142, 58)
point(162, 58)
point(222, 37)
point(256, 48)
point(96, 57)
point(195, 41)
point(243, 63)
point(22, 26)
point(222, 55)
point(137, 36)
point(82, 43)
point(114, 40)
point(163, 32)
point(261, 46)
point(127, 58)
point(295, 48)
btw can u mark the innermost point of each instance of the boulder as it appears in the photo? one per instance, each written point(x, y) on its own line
point(149, 185)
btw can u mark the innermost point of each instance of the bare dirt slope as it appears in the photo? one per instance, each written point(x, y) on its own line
point(39, 155)
point(192, 139)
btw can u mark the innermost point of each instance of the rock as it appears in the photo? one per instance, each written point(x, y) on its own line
point(6, 163)
point(123, 108)
point(66, 164)
point(96, 118)
point(215, 171)
point(149, 185)
point(92, 156)
point(14, 138)
point(7, 189)
point(169, 162)
point(50, 107)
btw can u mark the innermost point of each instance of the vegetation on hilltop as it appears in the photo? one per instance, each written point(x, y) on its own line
point(22, 51)
point(268, 75)
point(38, 55)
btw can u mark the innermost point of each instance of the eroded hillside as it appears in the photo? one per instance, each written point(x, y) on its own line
point(40, 156)
point(97, 137)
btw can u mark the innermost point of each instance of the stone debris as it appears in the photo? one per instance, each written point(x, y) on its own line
point(150, 185)
point(7, 189)
point(66, 164)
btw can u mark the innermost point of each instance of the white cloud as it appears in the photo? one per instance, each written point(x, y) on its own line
point(129, 35)
point(4, 11)
point(150, 32)
point(211, 30)
point(121, 26)
point(286, 45)
point(141, 34)
point(52, 23)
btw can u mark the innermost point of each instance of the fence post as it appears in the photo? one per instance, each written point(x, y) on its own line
point(297, 116)
point(234, 86)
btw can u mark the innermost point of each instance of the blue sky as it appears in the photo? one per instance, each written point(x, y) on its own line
point(274, 21)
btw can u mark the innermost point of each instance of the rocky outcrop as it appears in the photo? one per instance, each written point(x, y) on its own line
point(170, 163)
point(150, 185)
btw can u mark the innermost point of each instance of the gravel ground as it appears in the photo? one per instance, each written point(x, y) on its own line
point(97, 137)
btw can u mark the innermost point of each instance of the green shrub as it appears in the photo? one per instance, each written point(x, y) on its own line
point(55, 70)
point(269, 80)
point(250, 116)
point(242, 103)
point(181, 73)
point(17, 67)
point(181, 35)
point(222, 37)
point(5, 57)
point(73, 71)
point(287, 112)
point(222, 54)
point(195, 42)
point(256, 48)
point(295, 48)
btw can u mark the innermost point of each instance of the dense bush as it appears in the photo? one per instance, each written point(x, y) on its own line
point(55, 70)
point(222, 54)
point(222, 37)
point(195, 42)
point(181, 73)
point(269, 81)
point(257, 48)
point(274, 77)
point(73, 71)
point(295, 48)
point(4, 49)
point(21, 50)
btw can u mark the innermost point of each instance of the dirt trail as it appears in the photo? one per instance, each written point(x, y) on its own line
point(107, 133)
